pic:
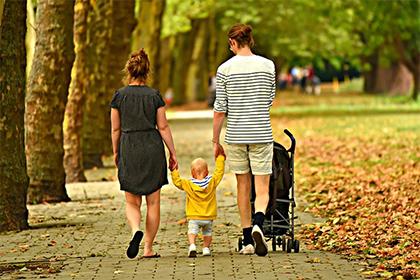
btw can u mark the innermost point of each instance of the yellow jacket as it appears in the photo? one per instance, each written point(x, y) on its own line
point(201, 202)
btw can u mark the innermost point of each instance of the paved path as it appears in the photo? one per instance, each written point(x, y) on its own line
point(86, 238)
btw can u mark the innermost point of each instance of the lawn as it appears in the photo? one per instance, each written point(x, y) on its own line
point(357, 164)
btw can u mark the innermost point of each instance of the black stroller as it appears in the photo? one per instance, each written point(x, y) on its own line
point(279, 225)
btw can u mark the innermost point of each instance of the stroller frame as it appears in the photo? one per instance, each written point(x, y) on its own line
point(279, 227)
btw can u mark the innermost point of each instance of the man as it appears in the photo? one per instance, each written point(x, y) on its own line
point(245, 90)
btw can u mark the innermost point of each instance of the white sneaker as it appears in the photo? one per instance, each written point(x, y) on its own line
point(247, 250)
point(206, 251)
point(261, 247)
point(192, 251)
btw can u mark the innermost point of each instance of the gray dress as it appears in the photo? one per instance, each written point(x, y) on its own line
point(142, 167)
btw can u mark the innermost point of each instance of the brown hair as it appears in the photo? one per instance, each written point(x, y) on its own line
point(242, 34)
point(137, 67)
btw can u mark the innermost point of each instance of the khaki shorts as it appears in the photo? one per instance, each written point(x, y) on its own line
point(258, 156)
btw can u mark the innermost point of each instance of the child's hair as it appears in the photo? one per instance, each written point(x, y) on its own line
point(199, 166)
point(242, 34)
point(137, 67)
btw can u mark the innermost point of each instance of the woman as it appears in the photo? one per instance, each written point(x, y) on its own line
point(139, 153)
point(245, 89)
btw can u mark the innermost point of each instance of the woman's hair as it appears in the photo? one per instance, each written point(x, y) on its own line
point(137, 67)
point(242, 35)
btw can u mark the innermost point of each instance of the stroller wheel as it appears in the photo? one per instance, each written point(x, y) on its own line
point(296, 246)
point(273, 243)
point(289, 245)
point(283, 242)
point(240, 244)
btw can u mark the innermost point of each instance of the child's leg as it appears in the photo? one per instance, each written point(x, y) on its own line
point(193, 229)
point(207, 227)
point(191, 238)
point(207, 241)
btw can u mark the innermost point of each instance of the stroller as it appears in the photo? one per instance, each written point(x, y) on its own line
point(279, 224)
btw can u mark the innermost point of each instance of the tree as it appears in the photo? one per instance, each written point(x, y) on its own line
point(46, 100)
point(13, 177)
point(96, 125)
point(147, 35)
point(73, 120)
point(122, 25)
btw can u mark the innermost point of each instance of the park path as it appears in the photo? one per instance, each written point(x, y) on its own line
point(86, 238)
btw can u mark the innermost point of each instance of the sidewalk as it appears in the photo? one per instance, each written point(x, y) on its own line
point(87, 237)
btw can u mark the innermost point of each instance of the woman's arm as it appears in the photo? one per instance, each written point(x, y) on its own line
point(165, 132)
point(115, 132)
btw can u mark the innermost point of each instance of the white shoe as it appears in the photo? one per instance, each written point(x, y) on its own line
point(192, 251)
point(247, 250)
point(261, 247)
point(206, 251)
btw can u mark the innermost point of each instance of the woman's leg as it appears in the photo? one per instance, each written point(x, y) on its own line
point(152, 221)
point(132, 211)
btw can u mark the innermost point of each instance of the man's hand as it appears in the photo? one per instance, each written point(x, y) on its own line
point(218, 150)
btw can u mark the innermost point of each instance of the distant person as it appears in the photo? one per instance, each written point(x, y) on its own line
point(169, 94)
point(201, 207)
point(212, 89)
point(246, 85)
point(139, 125)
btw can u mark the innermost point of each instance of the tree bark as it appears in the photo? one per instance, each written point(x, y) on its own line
point(370, 76)
point(147, 35)
point(412, 61)
point(122, 25)
point(197, 69)
point(96, 108)
point(165, 62)
point(181, 60)
point(73, 119)
point(13, 177)
point(46, 100)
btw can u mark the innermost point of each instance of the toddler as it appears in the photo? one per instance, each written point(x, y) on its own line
point(201, 205)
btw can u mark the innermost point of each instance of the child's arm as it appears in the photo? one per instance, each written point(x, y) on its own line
point(176, 179)
point(220, 170)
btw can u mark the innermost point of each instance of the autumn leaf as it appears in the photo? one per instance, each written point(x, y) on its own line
point(181, 222)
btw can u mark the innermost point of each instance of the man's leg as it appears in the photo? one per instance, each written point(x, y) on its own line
point(244, 205)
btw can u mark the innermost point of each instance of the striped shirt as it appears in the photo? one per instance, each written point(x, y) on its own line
point(201, 183)
point(245, 89)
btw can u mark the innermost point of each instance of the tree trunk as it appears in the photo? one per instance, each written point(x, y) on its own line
point(370, 76)
point(147, 35)
point(412, 61)
point(73, 119)
point(13, 177)
point(165, 62)
point(30, 36)
point(181, 60)
point(123, 23)
point(96, 109)
point(395, 79)
point(196, 83)
point(46, 100)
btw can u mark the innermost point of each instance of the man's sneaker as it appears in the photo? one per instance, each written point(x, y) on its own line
point(261, 247)
point(247, 250)
point(192, 251)
point(206, 251)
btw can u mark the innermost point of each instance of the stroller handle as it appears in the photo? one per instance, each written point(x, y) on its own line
point(292, 138)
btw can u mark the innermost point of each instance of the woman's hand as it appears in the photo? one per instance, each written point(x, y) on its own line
point(173, 162)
